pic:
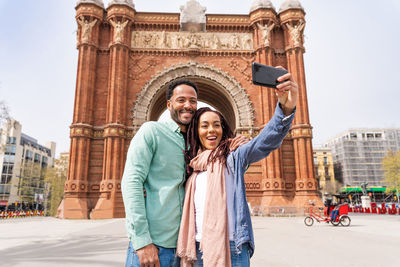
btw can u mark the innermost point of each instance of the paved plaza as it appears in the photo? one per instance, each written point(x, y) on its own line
point(371, 240)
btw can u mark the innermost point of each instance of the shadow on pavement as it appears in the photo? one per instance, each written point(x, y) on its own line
point(80, 251)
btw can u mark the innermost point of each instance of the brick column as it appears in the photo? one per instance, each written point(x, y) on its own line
point(306, 185)
point(265, 24)
point(75, 205)
point(110, 204)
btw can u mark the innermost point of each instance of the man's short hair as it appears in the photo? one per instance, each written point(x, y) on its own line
point(172, 86)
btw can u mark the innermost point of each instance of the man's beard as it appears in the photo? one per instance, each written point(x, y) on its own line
point(175, 116)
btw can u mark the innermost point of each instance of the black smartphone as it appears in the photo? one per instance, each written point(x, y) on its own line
point(266, 75)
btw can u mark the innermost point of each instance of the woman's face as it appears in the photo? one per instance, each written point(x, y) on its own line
point(210, 130)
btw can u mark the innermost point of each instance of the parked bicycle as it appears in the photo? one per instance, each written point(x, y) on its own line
point(339, 215)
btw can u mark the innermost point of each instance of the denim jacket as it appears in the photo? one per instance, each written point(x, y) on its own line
point(238, 161)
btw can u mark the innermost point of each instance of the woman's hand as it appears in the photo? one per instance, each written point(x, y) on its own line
point(287, 92)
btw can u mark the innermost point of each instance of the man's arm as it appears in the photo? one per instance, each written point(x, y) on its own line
point(137, 167)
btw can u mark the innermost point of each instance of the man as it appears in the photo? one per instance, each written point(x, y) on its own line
point(155, 162)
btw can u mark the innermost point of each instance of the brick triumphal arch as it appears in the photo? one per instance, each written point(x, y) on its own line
point(126, 61)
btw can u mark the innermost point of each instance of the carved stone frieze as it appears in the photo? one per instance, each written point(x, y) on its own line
point(81, 130)
point(188, 40)
point(301, 132)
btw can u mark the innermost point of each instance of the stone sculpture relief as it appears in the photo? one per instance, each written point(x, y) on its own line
point(188, 40)
point(86, 29)
point(295, 32)
point(118, 30)
point(266, 33)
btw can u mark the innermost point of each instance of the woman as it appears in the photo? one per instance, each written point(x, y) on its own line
point(216, 226)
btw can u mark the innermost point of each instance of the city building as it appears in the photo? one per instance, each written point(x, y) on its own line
point(357, 154)
point(22, 164)
point(61, 164)
point(324, 171)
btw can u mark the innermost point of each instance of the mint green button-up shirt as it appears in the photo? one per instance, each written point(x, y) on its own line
point(155, 162)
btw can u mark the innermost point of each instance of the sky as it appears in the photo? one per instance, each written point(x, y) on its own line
point(352, 62)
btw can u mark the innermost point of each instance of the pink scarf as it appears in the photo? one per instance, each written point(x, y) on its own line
point(215, 237)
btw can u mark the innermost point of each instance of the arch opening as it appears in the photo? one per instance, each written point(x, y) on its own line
point(216, 88)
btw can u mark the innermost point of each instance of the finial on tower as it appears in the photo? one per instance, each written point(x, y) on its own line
point(261, 4)
point(96, 2)
point(122, 2)
point(290, 4)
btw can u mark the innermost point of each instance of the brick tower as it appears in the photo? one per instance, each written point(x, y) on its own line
point(128, 58)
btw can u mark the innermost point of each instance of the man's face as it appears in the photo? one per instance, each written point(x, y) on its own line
point(182, 104)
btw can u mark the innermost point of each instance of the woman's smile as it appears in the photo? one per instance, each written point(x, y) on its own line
point(210, 130)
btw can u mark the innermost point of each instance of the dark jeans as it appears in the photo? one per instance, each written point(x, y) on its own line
point(238, 260)
point(334, 214)
point(166, 255)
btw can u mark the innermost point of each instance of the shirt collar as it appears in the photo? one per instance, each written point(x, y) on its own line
point(173, 125)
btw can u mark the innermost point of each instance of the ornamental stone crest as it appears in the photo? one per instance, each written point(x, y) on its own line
point(193, 17)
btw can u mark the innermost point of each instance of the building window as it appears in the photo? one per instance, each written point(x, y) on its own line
point(325, 160)
point(5, 179)
point(10, 149)
point(9, 158)
point(44, 161)
point(7, 169)
point(11, 140)
point(28, 155)
point(37, 157)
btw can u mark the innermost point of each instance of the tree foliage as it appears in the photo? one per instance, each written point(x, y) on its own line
point(55, 180)
point(391, 168)
point(4, 117)
point(31, 181)
point(4, 113)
